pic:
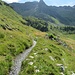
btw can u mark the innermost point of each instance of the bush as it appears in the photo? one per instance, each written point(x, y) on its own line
point(52, 37)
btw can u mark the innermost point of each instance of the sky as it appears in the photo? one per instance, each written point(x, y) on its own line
point(48, 2)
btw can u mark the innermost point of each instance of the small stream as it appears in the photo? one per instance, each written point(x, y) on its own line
point(15, 69)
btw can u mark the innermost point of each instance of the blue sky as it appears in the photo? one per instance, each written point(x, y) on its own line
point(48, 2)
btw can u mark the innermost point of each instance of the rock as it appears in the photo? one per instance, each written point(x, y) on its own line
point(35, 53)
point(62, 73)
point(9, 28)
point(73, 73)
point(30, 63)
point(59, 64)
point(37, 71)
point(35, 66)
point(31, 57)
point(62, 68)
point(27, 59)
point(51, 58)
point(46, 49)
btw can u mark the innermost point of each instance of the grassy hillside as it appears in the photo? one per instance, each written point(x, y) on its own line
point(48, 56)
point(15, 37)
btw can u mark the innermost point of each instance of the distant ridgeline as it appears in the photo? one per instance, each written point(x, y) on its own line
point(65, 14)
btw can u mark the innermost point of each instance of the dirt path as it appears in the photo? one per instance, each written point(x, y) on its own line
point(19, 59)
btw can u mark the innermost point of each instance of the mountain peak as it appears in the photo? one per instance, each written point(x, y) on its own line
point(42, 2)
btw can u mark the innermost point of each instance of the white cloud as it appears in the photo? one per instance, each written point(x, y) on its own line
point(10, 1)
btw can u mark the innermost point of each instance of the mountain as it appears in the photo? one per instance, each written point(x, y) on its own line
point(39, 9)
point(54, 53)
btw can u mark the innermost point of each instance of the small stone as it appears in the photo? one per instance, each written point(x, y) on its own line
point(46, 49)
point(73, 73)
point(27, 59)
point(35, 53)
point(62, 68)
point(11, 36)
point(58, 64)
point(31, 57)
point(62, 73)
point(51, 58)
point(37, 71)
point(63, 59)
point(35, 66)
point(30, 63)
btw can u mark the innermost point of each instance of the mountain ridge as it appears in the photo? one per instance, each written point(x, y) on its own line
point(41, 10)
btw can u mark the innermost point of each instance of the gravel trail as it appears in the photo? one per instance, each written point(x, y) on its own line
point(15, 69)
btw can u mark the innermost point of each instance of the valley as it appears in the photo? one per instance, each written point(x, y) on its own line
point(53, 50)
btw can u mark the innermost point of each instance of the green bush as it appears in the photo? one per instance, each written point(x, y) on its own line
point(51, 36)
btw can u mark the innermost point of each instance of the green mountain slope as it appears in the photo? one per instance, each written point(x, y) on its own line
point(15, 37)
point(48, 58)
point(39, 9)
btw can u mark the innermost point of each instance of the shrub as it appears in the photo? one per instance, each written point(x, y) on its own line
point(52, 37)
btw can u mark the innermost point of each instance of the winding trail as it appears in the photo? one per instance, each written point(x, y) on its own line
point(15, 69)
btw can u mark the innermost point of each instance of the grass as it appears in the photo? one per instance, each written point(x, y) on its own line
point(47, 54)
point(15, 37)
point(11, 44)
point(70, 40)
